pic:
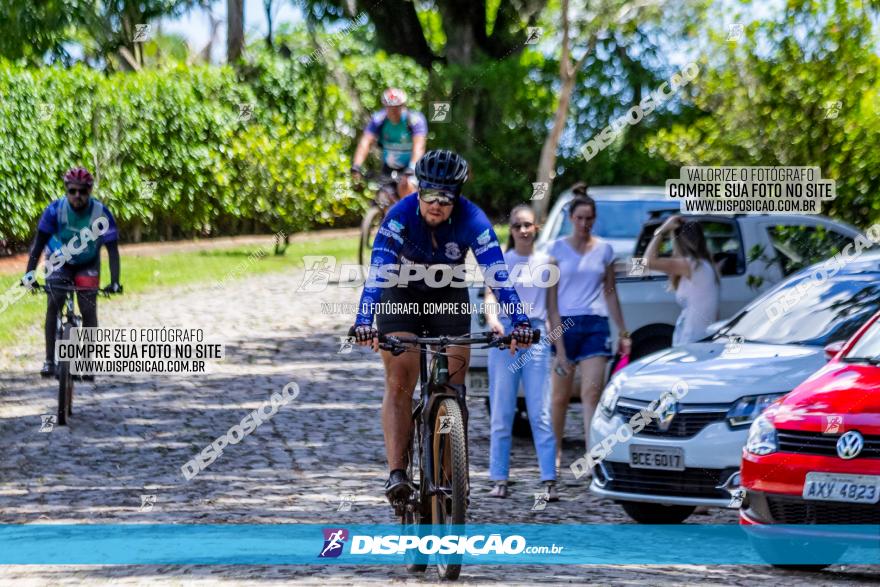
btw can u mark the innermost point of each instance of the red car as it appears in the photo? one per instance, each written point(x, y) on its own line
point(813, 457)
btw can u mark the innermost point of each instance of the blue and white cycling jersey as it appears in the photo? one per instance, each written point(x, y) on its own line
point(405, 237)
point(396, 140)
point(61, 221)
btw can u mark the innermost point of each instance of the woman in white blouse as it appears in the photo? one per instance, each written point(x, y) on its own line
point(692, 276)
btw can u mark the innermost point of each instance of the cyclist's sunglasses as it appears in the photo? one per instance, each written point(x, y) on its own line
point(76, 191)
point(435, 196)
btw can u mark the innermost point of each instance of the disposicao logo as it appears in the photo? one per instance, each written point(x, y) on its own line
point(334, 540)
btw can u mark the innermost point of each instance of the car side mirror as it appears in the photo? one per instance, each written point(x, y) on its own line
point(833, 348)
point(715, 327)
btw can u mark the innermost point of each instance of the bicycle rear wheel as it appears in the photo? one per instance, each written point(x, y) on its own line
point(369, 227)
point(65, 383)
point(451, 479)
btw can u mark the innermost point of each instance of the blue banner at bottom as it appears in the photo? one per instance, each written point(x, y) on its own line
point(550, 544)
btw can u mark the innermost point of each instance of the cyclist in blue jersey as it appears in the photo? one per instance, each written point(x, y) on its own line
point(433, 228)
point(401, 134)
point(72, 230)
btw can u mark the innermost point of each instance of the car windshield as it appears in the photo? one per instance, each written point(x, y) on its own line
point(804, 311)
point(868, 345)
point(617, 218)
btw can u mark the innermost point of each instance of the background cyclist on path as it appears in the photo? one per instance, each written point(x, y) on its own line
point(402, 135)
point(61, 229)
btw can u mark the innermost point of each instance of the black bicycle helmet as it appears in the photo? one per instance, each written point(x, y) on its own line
point(442, 169)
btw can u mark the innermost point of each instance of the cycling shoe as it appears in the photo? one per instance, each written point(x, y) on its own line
point(48, 369)
point(398, 487)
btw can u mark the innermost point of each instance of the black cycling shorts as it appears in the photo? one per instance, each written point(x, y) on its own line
point(424, 312)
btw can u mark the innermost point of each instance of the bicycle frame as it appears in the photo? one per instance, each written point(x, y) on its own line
point(434, 388)
point(67, 312)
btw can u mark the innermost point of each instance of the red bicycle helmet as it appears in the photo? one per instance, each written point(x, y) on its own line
point(79, 175)
point(393, 97)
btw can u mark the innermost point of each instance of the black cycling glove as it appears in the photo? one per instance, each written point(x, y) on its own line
point(523, 333)
point(363, 333)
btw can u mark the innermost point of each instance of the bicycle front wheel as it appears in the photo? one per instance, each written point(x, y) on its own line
point(369, 227)
point(450, 479)
point(65, 383)
point(416, 519)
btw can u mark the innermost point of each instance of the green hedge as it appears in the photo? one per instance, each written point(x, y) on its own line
point(217, 167)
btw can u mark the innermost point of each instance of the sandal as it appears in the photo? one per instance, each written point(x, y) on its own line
point(551, 491)
point(499, 490)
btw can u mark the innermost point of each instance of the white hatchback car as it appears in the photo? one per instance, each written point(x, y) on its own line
point(688, 454)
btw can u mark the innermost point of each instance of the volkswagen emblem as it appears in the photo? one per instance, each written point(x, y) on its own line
point(850, 445)
point(666, 412)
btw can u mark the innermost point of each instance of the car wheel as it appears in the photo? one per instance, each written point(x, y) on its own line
point(645, 347)
point(654, 513)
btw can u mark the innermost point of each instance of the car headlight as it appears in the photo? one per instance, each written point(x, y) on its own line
point(748, 408)
point(608, 401)
point(762, 437)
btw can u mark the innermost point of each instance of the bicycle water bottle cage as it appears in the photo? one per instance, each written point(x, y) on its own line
point(440, 369)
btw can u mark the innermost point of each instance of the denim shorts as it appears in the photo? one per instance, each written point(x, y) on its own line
point(587, 336)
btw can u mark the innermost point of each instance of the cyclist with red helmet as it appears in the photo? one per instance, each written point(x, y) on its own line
point(402, 135)
point(72, 230)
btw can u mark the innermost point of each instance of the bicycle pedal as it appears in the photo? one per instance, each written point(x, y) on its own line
point(400, 507)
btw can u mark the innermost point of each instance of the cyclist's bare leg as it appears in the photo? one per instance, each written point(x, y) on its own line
point(401, 377)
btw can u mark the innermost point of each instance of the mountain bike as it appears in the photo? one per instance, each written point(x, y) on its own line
point(437, 455)
point(66, 320)
point(385, 189)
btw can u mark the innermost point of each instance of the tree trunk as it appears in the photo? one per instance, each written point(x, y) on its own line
point(234, 30)
point(136, 230)
point(547, 162)
point(461, 49)
point(267, 4)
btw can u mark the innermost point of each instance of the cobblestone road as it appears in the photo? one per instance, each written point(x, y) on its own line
point(130, 435)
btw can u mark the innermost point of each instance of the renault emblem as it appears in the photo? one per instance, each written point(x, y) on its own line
point(850, 445)
point(666, 412)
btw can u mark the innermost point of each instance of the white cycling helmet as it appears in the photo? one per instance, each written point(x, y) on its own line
point(393, 97)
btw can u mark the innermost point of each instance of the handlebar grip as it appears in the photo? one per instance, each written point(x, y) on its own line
point(536, 335)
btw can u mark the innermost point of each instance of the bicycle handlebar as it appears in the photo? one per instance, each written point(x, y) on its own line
point(396, 344)
point(46, 288)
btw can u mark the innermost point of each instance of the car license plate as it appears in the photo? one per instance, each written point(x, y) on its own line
point(477, 383)
point(840, 487)
point(652, 457)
